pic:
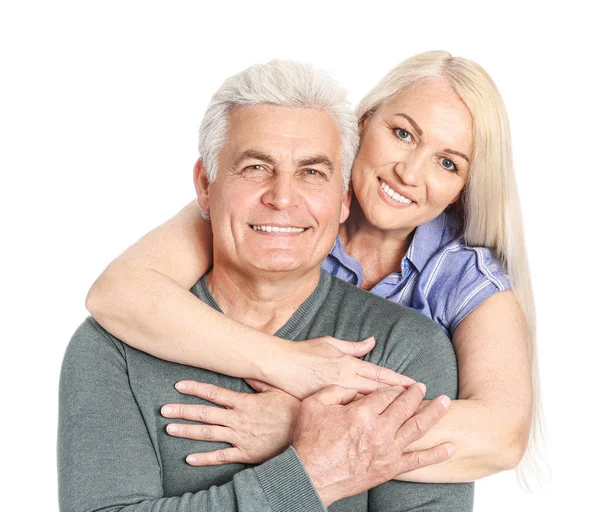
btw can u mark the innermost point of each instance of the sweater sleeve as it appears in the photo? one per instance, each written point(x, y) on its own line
point(107, 461)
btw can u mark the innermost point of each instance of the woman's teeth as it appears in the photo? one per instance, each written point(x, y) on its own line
point(278, 229)
point(394, 195)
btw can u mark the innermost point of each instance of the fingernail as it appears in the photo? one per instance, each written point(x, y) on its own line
point(171, 429)
point(167, 410)
point(451, 449)
point(180, 386)
point(445, 401)
point(423, 387)
point(190, 459)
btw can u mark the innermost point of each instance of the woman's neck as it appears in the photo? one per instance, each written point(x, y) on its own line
point(379, 252)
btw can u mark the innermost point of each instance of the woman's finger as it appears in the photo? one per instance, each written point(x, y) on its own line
point(259, 386)
point(198, 412)
point(333, 395)
point(202, 432)
point(210, 392)
point(383, 375)
point(366, 386)
point(353, 348)
point(223, 456)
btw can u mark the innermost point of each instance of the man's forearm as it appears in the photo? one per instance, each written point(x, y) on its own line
point(279, 485)
point(107, 461)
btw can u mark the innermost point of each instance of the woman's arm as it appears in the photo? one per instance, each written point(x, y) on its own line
point(489, 424)
point(142, 298)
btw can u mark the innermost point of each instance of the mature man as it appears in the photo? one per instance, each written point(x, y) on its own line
point(274, 141)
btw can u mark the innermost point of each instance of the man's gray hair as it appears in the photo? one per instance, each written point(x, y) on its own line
point(284, 83)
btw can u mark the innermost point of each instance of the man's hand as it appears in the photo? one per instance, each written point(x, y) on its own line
point(259, 426)
point(351, 446)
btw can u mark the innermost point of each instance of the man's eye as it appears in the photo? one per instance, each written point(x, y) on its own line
point(255, 171)
point(449, 164)
point(313, 173)
point(403, 134)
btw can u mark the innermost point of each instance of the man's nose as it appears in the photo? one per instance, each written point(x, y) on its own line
point(281, 193)
point(411, 168)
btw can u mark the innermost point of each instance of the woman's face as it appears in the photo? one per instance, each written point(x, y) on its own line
point(414, 156)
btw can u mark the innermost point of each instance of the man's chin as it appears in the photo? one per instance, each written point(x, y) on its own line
point(279, 266)
point(278, 263)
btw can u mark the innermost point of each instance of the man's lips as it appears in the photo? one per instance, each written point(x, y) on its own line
point(277, 228)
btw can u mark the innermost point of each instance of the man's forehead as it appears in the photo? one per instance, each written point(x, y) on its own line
point(281, 132)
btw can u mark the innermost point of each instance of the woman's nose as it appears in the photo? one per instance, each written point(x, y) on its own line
point(411, 169)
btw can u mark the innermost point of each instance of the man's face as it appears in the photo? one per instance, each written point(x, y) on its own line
point(277, 202)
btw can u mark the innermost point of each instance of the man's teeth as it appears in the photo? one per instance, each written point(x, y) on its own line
point(278, 229)
point(394, 195)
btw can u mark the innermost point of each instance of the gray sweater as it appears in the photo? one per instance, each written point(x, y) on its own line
point(114, 452)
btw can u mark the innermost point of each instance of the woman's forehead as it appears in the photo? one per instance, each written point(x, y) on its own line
point(433, 108)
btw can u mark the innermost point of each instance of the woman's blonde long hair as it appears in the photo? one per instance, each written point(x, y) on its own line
point(490, 204)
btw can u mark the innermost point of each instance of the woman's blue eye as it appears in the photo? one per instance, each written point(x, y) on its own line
point(448, 164)
point(403, 134)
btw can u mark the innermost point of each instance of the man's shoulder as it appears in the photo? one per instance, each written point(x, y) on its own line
point(90, 341)
point(375, 310)
point(406, 341)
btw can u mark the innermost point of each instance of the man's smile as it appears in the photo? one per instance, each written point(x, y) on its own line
point(270, 228)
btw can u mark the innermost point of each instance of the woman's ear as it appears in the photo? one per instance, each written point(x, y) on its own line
point(361, 124)
point(201, 185)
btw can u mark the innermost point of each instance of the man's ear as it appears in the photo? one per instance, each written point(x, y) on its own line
point(346, 200)
point(201, 185)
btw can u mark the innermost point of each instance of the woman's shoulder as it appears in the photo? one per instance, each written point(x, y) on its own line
point(456, 277)
point(442, 252)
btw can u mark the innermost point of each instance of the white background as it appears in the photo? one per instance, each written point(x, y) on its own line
point(99, 108)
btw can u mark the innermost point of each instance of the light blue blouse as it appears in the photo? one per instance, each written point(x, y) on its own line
point(440, 276)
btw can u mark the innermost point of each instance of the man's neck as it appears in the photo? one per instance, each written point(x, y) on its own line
point(264, 301)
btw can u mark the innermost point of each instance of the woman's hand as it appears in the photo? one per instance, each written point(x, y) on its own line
point(314, 364)
point(259, 426)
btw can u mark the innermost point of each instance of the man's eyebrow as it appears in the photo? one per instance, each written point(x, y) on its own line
point(457, 153)
point(316, 160)
point(411, 121)
point(256, 155)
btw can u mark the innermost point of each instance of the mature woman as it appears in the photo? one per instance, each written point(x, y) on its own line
point(434, 225)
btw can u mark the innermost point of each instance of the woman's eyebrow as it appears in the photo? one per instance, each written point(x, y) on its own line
point(411, 121)
point(457, 153)
point(420, 132)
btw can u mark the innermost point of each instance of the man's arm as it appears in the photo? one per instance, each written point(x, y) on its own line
point(107, 461)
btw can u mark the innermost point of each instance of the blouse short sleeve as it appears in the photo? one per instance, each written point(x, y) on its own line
point(464, 277)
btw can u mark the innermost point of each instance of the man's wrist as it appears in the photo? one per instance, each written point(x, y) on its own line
point(323, 480)
point(287, 485)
